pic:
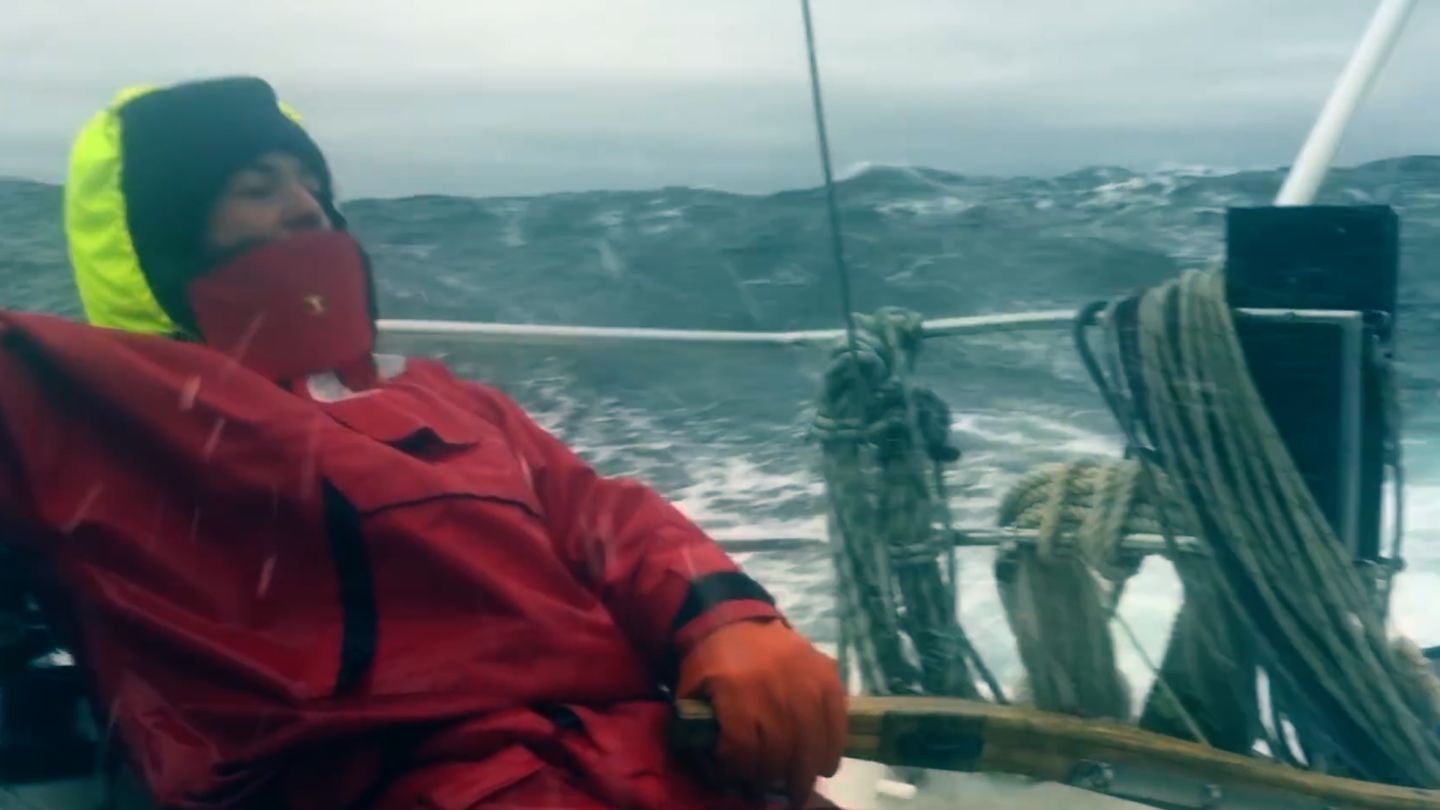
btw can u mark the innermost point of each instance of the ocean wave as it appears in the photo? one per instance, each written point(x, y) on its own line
point(722, 433)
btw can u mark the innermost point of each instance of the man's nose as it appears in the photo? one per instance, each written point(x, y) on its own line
point(304, 212)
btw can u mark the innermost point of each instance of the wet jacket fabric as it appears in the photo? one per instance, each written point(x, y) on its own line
point(309, 596)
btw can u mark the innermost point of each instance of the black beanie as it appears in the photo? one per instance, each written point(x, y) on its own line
point(179, 146)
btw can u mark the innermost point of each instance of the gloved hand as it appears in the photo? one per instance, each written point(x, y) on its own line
point(779, 703)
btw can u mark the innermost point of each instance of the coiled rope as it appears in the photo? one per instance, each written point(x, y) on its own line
point(1059, 594)
point(884, 441)
point(1318, 629)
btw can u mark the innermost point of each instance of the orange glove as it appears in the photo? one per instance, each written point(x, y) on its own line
point(778, 701)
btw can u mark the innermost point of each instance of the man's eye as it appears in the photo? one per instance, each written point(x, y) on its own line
point(254, 185)
point(255, 191)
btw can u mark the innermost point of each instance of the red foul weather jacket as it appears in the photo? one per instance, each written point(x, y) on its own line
point(307, 597)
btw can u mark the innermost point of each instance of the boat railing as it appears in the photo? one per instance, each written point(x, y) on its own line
point(977, 537)
point(1354, 324)
point(1040, 320)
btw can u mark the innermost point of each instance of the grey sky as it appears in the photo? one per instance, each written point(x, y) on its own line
point(524, 96)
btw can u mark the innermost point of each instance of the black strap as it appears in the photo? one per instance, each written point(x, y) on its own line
point(357, 590)
point(713, 589)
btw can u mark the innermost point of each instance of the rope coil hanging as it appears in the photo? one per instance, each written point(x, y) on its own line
point(883, 442)
point(1350, 693)
point(1059, 595)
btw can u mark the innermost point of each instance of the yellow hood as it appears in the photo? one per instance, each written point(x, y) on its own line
point(112, 285)
point(107, 271)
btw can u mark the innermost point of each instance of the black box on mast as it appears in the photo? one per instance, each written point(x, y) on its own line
point(1317, 377)
point(1313, 257)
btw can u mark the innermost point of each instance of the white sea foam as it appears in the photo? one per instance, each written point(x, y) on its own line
point(938, 206)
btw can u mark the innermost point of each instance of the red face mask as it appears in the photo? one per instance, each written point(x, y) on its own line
point(289, 308)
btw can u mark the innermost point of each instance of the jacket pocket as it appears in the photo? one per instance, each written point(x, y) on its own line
point(410, 446)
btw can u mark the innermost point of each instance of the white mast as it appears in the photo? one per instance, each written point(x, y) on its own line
point(1355, 81)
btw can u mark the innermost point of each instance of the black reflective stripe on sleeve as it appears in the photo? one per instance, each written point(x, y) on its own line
point(357, 591)
point(714, 589)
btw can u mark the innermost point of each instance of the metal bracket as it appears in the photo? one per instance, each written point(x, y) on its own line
point(939, 742)
point(1168, 791)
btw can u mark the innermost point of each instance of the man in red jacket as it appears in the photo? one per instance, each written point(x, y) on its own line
point(303, 575)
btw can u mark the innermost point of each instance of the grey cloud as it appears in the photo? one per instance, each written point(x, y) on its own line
point(538, 95)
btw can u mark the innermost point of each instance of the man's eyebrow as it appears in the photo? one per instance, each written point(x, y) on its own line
point(261, 167)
